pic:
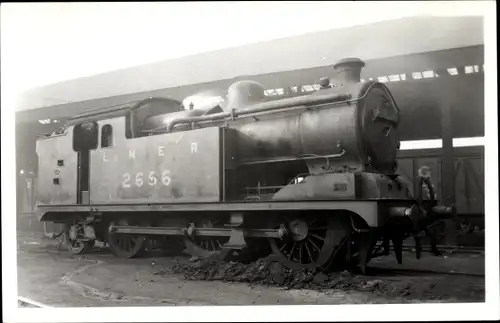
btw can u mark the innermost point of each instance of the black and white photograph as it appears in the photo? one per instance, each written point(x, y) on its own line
point(249, 161)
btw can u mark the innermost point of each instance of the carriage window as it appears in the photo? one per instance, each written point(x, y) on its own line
point(106, 136)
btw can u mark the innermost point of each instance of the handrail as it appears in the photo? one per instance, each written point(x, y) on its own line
point(304, 100)
point(287, 159)
point(255, 115)
point(307, 100)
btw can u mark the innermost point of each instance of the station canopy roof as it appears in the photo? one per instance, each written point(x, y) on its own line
point(369, 42)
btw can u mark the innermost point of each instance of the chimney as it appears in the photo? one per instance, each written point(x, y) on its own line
point(349, 70)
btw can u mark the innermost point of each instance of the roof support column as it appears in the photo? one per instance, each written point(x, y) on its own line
point(448, 168)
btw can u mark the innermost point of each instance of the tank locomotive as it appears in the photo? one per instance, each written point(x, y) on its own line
point(310, 180)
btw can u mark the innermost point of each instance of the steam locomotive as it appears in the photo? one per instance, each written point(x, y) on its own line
point(310, 181)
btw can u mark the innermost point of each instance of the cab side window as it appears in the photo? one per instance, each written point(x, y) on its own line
point(85, 136)
point(106, 136)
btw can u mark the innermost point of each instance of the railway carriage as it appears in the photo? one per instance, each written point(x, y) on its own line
point(311, 180)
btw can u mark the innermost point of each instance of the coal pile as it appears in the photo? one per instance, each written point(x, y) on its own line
point(260, 272)
point(268, 273)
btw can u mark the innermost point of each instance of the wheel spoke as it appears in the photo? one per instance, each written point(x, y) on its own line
point(76, 245)
point(312, 221)
point(126, 246)
point(206, 246)
point(292, 250)
point(309, 253)
point(315, 246)
point(317, 236)
point(314, 237)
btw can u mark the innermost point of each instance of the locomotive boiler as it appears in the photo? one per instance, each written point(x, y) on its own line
point(311, 180)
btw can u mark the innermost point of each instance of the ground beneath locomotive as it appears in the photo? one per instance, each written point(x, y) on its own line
point(432, 280)
point(50, 275)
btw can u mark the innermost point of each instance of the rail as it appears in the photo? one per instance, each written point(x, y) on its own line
point(448, 248)
point(424, 272)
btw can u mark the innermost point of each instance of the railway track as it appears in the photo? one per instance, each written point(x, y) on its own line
point(446, 248)
point(24, 302)
point(416, 272)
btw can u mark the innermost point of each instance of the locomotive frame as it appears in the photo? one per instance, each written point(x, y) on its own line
point(333, 216)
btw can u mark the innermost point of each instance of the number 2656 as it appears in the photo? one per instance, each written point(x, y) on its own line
point(151, 179)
